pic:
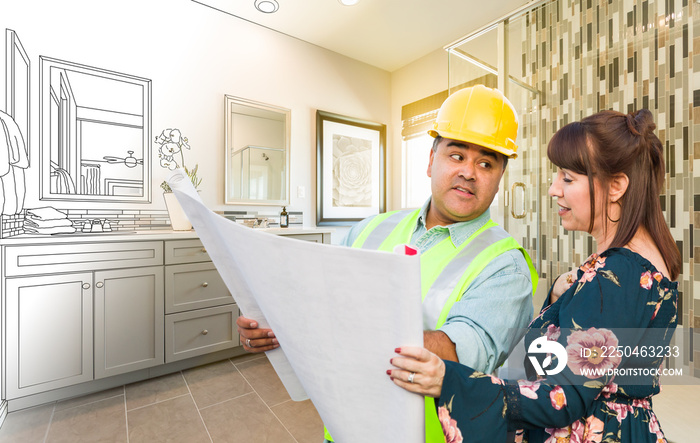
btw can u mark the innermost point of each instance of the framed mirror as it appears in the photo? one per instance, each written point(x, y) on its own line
point(257, 153)
point(95, 134)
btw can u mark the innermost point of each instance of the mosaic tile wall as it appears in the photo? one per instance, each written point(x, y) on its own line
point(589, 55)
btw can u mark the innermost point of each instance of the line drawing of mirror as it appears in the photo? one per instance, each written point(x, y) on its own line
point(17, 91)
point(95, 134)
point(257, 152)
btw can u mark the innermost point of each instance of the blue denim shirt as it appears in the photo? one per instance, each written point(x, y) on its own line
point(483, 325)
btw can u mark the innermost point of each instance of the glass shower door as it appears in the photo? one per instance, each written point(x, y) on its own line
point(489, 57)
point(493, 57)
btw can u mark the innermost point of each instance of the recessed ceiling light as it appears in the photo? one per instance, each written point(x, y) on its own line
point(267, 6)
point(348, 2)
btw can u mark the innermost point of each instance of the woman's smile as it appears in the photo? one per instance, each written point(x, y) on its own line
point(563, 210)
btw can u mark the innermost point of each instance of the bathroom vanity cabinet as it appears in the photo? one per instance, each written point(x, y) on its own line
point(200, 313)
point(81, 311)
point(86, 313)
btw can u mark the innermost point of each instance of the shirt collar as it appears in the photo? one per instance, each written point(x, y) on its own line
point(459, 232)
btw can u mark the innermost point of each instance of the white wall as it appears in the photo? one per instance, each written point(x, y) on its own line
point(194, 55)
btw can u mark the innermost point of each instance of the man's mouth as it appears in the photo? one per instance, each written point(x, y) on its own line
point(464, 190)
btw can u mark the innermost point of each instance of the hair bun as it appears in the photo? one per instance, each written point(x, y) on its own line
point(643, 122)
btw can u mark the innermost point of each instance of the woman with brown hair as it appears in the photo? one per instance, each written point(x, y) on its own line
point(600, 339)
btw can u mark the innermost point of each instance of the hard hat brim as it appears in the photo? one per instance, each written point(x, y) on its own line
point(476, 140)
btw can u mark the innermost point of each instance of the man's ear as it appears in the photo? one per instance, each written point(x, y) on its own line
point(430, 163)
point(618, 186)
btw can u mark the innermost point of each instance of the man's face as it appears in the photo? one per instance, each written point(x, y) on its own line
point(464, 181)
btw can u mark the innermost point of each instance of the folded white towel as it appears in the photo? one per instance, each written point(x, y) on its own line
point(49, 231)
point(45, 213)
point(39, 223)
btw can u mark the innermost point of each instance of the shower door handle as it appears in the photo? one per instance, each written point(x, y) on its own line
point(521, 186)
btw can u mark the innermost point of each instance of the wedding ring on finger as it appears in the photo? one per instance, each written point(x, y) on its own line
point(410, 377)
point(247, 342)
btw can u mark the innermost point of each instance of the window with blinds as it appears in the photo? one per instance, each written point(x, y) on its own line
point(418, 117)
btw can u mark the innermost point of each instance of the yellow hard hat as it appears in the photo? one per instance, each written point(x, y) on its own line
point(479, 115)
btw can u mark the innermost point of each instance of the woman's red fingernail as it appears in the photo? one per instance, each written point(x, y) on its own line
point(388, 372)
point(397, 350)
point(391, 361)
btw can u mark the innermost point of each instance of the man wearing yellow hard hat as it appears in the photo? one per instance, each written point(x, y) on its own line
point(477, 281)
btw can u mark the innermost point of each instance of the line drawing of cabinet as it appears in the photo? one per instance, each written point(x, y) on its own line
point(62, 297)
point(84, 315)
point(49, 333)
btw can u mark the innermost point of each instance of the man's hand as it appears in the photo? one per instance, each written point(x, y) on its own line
point(253, 338)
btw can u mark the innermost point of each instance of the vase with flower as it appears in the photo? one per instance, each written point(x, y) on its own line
point(171, 154)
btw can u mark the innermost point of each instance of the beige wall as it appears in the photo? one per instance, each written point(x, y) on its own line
point(422, 78)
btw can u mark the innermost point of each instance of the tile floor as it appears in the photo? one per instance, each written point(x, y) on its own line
point(236, 400)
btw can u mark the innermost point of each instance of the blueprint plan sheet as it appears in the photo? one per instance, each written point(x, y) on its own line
point(337, 312)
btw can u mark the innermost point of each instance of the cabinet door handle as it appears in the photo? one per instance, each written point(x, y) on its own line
point(205, 332)
point(205, 284)
point(99, 284)
point(86, 285)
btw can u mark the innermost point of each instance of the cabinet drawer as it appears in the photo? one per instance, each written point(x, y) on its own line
point(194, 286)
point(185, 251)
point(188, 334)
point(50, 259)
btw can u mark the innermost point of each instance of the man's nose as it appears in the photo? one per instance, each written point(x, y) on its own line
point(467, 171)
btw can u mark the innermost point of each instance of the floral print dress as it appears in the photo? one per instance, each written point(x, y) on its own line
point(612, 330)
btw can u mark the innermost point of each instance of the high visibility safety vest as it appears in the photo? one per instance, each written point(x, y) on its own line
point(446, 273)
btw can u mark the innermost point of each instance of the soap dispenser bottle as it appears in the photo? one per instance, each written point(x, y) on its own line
point(284, 218)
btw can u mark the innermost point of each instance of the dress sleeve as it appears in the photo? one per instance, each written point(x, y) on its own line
point(611, 305)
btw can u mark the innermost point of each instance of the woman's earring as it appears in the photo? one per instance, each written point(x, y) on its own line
point(618, 219)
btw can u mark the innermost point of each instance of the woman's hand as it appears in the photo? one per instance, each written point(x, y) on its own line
point(562, 284)
point(253, 338)
point(419, 371)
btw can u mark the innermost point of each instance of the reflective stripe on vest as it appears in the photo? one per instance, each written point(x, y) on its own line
point(446, 270)
point(376, 233)
point(440, 292)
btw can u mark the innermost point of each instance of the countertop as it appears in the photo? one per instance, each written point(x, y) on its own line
point(146, 235)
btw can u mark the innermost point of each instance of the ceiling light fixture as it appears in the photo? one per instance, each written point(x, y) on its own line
point(267, 6)
point(348, 2)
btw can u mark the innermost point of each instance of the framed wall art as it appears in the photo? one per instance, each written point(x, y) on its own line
point(350, 169)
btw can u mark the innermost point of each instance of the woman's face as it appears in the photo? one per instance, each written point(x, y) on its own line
point(574, 200)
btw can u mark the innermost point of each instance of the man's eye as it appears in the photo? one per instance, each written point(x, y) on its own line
point(485, 165)
point(457, 157)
